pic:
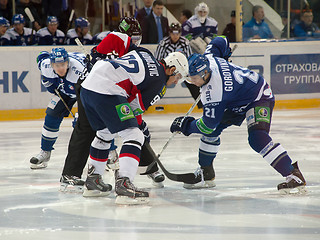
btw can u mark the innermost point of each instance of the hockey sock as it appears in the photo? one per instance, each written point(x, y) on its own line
point(129, 159)
point(99, 152)
point(208, 150)
point(50, 131)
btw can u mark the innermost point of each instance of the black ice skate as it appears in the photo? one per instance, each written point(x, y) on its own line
point(41, 160)
point(295, 182)
point(157, 179)
point(204, 178)
point(94, 185)
point(71, 184)
point(127, 193)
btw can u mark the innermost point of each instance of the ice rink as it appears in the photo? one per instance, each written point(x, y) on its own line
point(244, 205)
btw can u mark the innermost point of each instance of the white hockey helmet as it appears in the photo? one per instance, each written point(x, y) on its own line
point(204, 11)
point(178, 60)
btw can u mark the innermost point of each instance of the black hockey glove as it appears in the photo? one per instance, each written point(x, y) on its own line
point(112, 55)
point(144, 128)
point(180, 124)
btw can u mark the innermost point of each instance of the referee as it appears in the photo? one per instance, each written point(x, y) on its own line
point(177, 43)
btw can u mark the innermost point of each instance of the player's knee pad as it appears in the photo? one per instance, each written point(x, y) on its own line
point(208, 149)
point(132, 136)
point(258, 139)
point(103, 139)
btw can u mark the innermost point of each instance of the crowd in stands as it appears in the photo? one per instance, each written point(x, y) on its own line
point(51, 24)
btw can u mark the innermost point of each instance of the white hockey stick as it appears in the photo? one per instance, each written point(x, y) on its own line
point(31, 18)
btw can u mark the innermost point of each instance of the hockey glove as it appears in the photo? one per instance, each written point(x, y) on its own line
point(112, 55)
point(144, 128)
point(180, 124)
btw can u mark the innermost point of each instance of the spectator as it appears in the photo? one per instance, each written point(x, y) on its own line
point(50, 35)
point(97, 38)
point(145, 11)
point(6, 9)
point(284, 19)
point(21, 5)
point(256, 28)
point(306, 28)
point(20, 35)
point(230, 30)
point(4, 24)
point(155, 26)
point(200, 24)
point(184, 16)
point(81, 31)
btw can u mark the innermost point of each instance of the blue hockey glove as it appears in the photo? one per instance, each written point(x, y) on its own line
point(144, 128)
point(75, 120)
point(180, 124)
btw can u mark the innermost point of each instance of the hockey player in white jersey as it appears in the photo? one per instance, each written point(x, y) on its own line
point(114, 95)
point(60, 70)
point(230, 94)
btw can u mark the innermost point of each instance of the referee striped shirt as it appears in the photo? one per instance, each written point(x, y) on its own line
point(166, 46)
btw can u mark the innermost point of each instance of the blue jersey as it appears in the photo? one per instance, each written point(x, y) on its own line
point(27, 38)
point(44, 37)
point(53, 81)
point(230, 87)
point(253, 28)
point(72, 35)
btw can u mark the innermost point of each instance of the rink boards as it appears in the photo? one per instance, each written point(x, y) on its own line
point(291, 68)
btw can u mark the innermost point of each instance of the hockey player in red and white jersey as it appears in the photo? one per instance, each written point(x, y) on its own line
point(113, 45)
point(113, 95)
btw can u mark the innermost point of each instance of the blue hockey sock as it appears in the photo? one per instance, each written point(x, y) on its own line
point(208, 150)
point(50, 132)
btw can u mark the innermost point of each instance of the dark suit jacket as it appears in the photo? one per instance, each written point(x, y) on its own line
point(149, 29)
point(141, 15)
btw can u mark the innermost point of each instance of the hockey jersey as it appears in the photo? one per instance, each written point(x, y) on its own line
point(230, 87)
point(193, 28)
point(99, 37)
point(72, 35)
point(27, 38)
point(44, 37)
point(52, 81)
point(137, 76)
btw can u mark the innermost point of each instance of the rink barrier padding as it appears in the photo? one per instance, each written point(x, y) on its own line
point(36, 114)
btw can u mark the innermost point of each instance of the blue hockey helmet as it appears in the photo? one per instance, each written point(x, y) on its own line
point(59, 55)
point(4, 22)
point(52, 20)
point(17, 19)
point(198, 64)
point(220, 47)
point(81, 22)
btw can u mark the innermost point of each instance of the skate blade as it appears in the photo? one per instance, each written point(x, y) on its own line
point(67, 188)
point(206, 184)
point(94, 193)
point(124, 200)
point(291, 191)
point(38, 166)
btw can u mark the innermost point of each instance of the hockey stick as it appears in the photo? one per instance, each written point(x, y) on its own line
point(69, 25)
point(65, 104)
point(183, 177)
point(31, 18)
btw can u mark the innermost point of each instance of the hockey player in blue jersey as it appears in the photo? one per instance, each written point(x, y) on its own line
point(116, 93)
point(200, 24)
point(81, 31)
point(20, 35)
point(50, 35)
point(230, 94)
point(60, 70)
point(4, 25)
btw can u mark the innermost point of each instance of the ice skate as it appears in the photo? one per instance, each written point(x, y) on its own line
point(157, 179)
point(71, 184)
point(41, 160)
point(295, 182)
point(94, 185)
point(204, 178)
point(128, 194)
point(113, 161)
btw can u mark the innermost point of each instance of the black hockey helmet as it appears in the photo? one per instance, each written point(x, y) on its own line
point(130, 26)
point(175, 28)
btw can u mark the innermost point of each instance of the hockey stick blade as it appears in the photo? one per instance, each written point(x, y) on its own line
point(183, 177)
point(29, 14)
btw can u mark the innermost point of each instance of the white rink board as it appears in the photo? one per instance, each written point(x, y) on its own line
point(20, 86)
